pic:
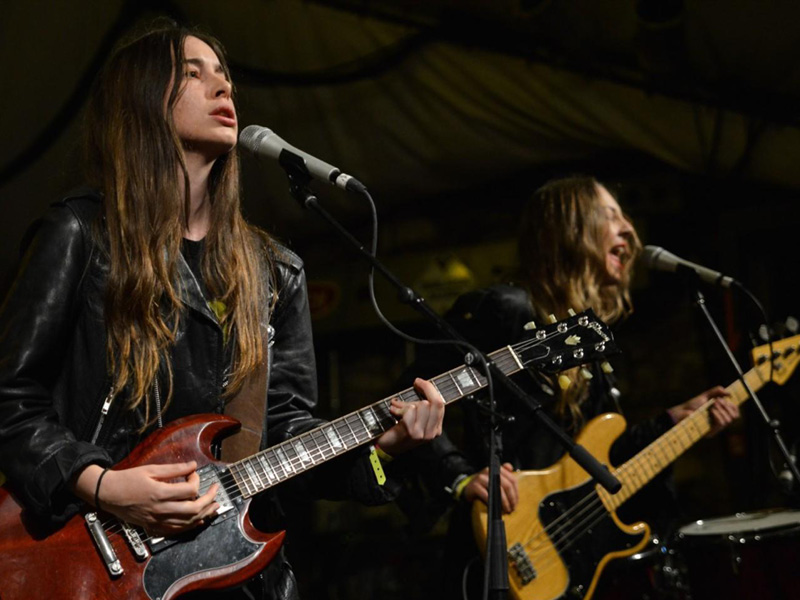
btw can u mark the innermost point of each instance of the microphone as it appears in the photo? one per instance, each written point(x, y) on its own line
point(263, 142)
point(656, 257)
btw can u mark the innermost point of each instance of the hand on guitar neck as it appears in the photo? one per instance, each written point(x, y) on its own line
point(419, 421)
point(723, 412)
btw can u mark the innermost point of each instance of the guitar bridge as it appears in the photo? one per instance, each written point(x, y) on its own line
point(103, 545)
point(522, 563)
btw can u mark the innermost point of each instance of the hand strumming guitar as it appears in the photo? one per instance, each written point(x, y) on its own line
point(164, 499)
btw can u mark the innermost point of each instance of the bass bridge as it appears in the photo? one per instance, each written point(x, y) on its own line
point(521, 562)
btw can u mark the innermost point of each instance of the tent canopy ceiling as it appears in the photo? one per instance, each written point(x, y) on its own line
point(424, 99)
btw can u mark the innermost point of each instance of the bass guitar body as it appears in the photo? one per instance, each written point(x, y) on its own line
point(560, 537)
point(67, 564)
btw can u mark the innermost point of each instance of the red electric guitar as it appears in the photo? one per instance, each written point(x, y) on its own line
point(96, 556)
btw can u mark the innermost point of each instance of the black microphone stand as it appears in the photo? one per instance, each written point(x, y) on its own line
point(496, 564)
point(690, 276)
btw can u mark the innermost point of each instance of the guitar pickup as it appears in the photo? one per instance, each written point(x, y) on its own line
point(103, 545)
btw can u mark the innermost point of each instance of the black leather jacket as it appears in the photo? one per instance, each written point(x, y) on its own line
point(53, 379)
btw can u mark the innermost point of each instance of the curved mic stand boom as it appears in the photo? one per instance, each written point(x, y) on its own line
point(495, 566)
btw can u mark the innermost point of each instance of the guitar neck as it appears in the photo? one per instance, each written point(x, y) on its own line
point(648, 463)
point(292, 457)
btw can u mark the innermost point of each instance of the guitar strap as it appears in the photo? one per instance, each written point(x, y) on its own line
point(248, 406)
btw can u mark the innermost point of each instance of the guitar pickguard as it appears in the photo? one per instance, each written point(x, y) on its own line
point(582, 542)
point(222, 544)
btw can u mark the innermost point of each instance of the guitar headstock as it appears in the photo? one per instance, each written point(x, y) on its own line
point(577, 340)
point(786, 355)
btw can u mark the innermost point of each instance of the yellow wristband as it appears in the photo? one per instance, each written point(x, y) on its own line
point(387, 458)
point(459, 487)
point(376, 465)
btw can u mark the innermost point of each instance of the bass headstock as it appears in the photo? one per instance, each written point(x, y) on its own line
point(785, 356)
point(581, 338)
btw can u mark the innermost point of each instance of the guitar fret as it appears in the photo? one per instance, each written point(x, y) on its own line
point(360, 432)
point(476, 377)
point(244, 478)
point(443, 385)
point(263, 479)
point(283, 459)
point(267, 468)
point(299, 446)
point(277, 466)
point(385, 417)
point(315, 435)
point(369, 422)
point(345, 432)
point(455, 383)
point(251, 475)
point(333, 438)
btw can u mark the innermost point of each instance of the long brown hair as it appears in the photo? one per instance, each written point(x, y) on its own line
point(136, 159)
point(563, 263)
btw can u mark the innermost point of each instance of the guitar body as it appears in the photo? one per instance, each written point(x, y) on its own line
point(565, 561)
point(65, 564)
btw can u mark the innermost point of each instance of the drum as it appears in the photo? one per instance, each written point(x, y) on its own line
point(747, 555)
point(651, 574)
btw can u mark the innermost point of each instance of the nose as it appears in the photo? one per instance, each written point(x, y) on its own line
point(221, 86)
point(625, 226)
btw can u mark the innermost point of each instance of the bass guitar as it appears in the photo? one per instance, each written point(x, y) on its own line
point(565, 529)
point(96, 556)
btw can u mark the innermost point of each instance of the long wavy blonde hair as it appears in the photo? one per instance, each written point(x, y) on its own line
point(563, 264)
point(136, 159)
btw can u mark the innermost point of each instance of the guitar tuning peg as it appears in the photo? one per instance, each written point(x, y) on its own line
point(571, 312)
point(586, 374)
point(552, 318)
point(529, 326)
point(606, 367)
point(564, 382)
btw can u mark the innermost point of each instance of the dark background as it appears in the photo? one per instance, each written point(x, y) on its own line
point(452, 113)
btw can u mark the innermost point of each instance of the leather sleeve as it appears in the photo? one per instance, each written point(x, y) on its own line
point(38, 454)
point(292, 392)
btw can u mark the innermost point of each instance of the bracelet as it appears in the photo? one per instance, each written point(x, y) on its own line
point(458, 489)
point(380, 476)
point(459, 483)
point(97, 489)
point(383, 455)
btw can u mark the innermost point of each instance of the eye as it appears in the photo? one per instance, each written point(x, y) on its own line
point(192, 74)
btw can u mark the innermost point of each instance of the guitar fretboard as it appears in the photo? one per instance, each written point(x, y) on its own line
point(648, 463)
point(283, 461)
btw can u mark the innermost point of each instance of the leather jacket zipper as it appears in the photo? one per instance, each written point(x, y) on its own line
point(157, 395)
point(103, 413)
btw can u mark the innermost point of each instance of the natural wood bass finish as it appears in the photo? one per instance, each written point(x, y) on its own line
point(565, 529)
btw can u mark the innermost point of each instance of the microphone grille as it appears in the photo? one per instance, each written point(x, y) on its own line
point(650, 255)
point(250, 137)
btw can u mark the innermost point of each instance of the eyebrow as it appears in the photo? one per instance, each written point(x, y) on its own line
point(201, 62)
